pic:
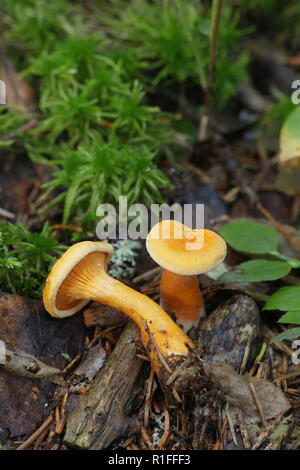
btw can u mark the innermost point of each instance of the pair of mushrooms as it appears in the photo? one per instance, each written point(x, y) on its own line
point(80, 276)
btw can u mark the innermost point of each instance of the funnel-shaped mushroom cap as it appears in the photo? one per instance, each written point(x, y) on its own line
point(66, 272)
point(181, 250)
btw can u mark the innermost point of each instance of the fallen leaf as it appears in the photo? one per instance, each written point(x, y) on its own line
point(237, 392)
point(26, 326)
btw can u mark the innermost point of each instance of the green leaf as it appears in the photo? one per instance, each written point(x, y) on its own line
point(293, 262)
point(286, 298)
point(257, 270)
point(289, 137)
point(291, 317)
point(250, 237)
point(293, 333)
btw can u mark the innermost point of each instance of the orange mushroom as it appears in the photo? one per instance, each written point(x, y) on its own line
point(80, 276)
point(184, 253)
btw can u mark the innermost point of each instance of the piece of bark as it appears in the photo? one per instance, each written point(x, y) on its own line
point(231, 334)
point(99, 417)
point(89, 367)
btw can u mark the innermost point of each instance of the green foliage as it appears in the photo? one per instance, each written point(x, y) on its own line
point(122, 264)
point(10, 121)
point(26, 258)
point(94, 119)
point(290, 334)
point(34, 25)
point(278, 111)
point(286, 298)
point(96, 129)
point(289, 136)
point(85, 94)
point(117, 169)
point(267, 5)
point(257, 269)
point(292, 317)
point(250, 237)
point(171, 38)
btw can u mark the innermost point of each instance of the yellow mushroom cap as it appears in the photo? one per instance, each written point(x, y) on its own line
point(181, 250)
point(63, 267)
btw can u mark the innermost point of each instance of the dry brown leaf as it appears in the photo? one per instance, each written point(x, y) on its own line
point(238, 393)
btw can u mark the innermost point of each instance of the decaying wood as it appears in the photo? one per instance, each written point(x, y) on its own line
point(100, 416)
point(89, 367)
point(26, 365)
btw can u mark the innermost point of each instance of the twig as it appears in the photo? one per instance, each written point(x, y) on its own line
point(201, 173)
point(37, 433)
point(26, 365)
point(7, 214)
point(263, 436)
point(264, 160)
point(277, 225)
point(72, 363)
point(148, 398)
point(146, 438)
point(231, 424)
point(73, 228)
point(280, 345)
point(40, 439)
point(176, 395)
point(223, 428)
point(244, 432)
point(216, 13)
point(31, 124)
point(245, 358)
point(167, 431)
point(61, 418)
point(258, 404)
point(147, 275)
point(287, 376)
point(159, 354)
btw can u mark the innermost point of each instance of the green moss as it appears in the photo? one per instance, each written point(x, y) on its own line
point(280, 431)
point(26, 258)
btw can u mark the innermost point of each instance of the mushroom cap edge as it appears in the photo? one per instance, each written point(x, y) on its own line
point(63, 267)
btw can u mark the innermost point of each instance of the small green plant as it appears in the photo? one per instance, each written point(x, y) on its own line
point(171, 39)
point(253, 238)
point(95, 127)
point(25, 258)
point(102, 172)
point(10, 121)
point(34, 25)
point(278, 111)
point(123, 262)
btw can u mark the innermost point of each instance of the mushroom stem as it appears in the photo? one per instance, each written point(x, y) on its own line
point(169, 338)
point(182, 296)
point(89, 280)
